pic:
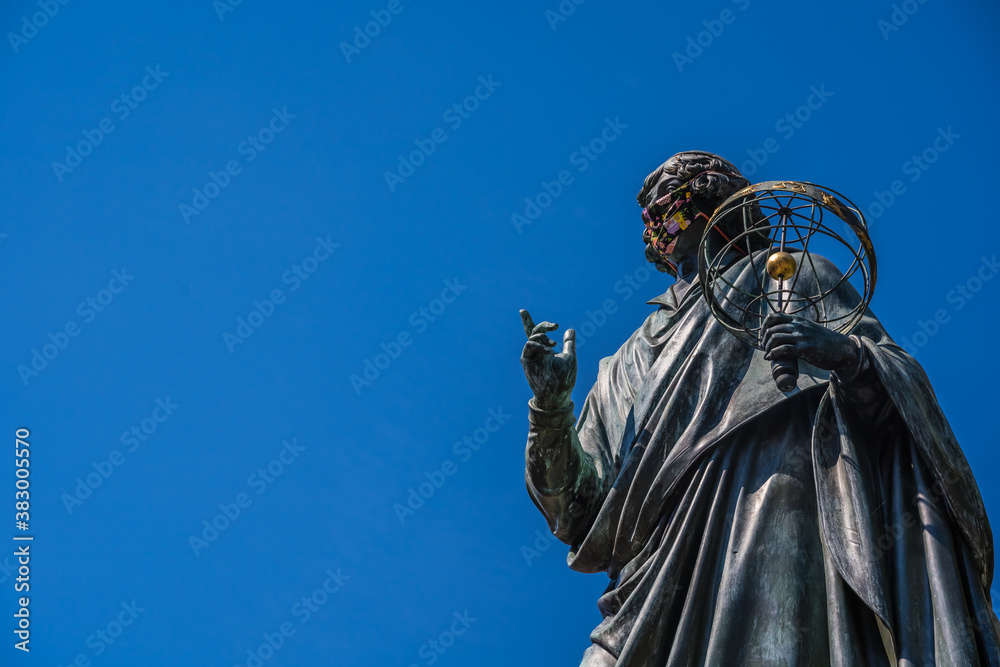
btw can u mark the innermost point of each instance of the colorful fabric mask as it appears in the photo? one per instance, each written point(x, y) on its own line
point(667, 217)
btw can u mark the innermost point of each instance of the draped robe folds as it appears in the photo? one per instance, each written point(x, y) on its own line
point(839, 524)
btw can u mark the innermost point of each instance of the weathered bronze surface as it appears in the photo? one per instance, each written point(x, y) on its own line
point(838, 524)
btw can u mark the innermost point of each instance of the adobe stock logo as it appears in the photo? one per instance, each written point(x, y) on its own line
point(104, 637)
point(454, 116)
point(420, 320)
point(295, 276)
point(564, 10)
point(543, 542)
point(898, 18)
point(30, 28)
point(581, 158)
point(372, 29)
point(122, 107)
point(272, 642)
point(250, 148)
point(627, 287)
point(436, 477)
point(714, 28)
point(259, 481)
point(963, 293)
point(87, 309)
point(432, 650)
point(223, 6)
point(105, 468)
point(915, 167)
point(786, 125)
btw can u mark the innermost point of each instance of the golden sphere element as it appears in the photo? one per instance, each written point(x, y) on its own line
point(781, 265)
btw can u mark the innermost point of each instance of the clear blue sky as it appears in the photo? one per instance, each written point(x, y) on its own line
point(226, 249)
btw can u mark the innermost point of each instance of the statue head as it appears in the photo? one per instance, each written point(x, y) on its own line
point(678, 198)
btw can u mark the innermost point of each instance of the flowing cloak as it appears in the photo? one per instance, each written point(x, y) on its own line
point(839, 524)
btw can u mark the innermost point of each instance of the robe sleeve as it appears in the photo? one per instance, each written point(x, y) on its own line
point(914, 401)
point(565, 482)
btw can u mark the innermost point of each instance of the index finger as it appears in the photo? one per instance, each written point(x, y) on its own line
point(569, 342)
point(529, 324)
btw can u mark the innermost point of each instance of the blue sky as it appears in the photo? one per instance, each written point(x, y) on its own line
point(214, 215)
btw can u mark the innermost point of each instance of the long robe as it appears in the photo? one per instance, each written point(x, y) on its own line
point(839, 524)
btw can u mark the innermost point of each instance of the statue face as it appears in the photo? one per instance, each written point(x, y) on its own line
point(666, 250)
point(674, 223)
point(664, 186)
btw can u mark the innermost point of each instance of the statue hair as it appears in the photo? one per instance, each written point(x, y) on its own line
point(690, 166)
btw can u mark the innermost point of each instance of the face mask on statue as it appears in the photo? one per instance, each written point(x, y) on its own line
point(666, 218)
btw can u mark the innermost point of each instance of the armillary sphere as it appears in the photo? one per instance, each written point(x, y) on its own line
point(781, 230)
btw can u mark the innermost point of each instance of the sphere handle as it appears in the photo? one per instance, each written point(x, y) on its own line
point(785, 373)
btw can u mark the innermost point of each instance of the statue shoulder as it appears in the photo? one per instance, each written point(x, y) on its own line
point(823, 266)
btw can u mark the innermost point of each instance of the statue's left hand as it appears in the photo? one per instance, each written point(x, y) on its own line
point(793, 336)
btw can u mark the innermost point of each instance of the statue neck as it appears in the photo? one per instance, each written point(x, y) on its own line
point(687, 264)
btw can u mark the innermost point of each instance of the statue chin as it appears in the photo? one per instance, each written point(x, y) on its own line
point(653, 258)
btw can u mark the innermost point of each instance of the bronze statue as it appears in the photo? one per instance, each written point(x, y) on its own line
point(740, 525)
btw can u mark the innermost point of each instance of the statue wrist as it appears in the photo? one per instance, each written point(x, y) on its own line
point(554, 418)
point(856, 365)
